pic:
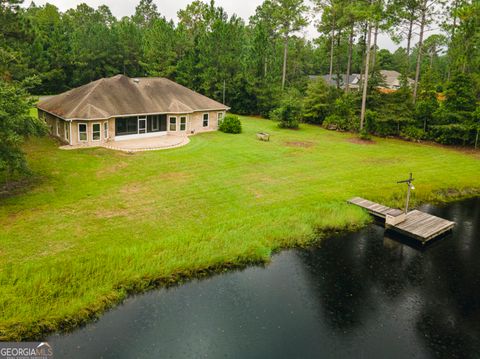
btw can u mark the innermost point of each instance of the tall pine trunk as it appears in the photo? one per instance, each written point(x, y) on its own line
point(339, 36)
point(365, 82)
point(349, 61)
point(284, 73)
point(364, 52)
point(410, 33)
point(332, 45)
point(420, 48)
point(374, 54)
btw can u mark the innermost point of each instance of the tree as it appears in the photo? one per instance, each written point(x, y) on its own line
point(14, 36)
point(146, 12)
point(367, 73)
point(16, 124)
point(427, 11)
point(289, 113)
point(289, 16)
point(319, 101)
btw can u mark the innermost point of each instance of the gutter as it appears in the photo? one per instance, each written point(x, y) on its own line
point(226, 108)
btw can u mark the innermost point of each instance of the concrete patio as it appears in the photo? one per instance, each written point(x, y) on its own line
point(141, 144)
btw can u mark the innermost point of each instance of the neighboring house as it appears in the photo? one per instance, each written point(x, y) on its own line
point(121, 108)
point(353, 83)
point(392, 80)
point(354, 80)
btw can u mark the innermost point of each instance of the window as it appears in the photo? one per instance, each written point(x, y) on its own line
point(220, 117)
point(82, 132)
point(155, 123)
point(173, 124)
point(205, 120)
point(57, 127)
point(67, 131)
point(96, 134)
point(105, 129)
point(126, 126)
point(183, 123)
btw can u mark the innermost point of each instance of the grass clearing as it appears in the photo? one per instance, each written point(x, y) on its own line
point(101, 224)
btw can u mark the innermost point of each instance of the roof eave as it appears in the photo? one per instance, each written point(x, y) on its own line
point(226, 108)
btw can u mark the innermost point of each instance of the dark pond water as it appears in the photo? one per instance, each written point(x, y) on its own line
point(359, 295)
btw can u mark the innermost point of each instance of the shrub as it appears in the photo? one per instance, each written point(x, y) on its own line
point(289, 113)
point(230, 124)
point(335, 122)
point(369, 125)
point(413, 133)
point(319, 101)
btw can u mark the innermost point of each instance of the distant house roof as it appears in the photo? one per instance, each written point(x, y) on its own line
point(122, 96)
point(392, 80)
point(353, 79)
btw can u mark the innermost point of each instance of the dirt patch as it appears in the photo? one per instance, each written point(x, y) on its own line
point(359, 141)
point(300, 144)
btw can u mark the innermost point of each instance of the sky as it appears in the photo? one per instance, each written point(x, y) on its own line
point(169, 8)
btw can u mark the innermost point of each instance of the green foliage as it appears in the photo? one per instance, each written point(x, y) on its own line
point(369, 126)
point(16, 124)
point(454, 121)
point(319, 101)
point(460, 94)
point(230, 124)
point(289, 113)
point(344, 116)
point(412, 133)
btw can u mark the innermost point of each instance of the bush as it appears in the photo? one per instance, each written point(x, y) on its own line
point(289, 113)
point(343, 116)
point(319, 101)
point(230, 124)
point(335, 122)
point(412, 133)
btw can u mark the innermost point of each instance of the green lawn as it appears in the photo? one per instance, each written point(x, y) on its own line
point(101, 223)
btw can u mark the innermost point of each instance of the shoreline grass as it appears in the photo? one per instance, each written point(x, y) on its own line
point(103, 224)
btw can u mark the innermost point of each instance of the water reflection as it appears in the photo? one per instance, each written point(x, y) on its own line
point(360, 295)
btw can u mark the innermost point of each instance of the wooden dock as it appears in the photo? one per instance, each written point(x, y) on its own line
point(415, 224)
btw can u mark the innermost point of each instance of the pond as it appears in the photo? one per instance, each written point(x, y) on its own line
point(358, 295)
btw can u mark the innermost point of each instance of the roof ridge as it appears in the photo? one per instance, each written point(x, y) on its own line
point(86, 96)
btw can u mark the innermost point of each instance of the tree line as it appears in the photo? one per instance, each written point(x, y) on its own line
point(262, 66)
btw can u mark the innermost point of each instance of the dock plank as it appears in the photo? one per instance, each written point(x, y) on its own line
point(418, 225)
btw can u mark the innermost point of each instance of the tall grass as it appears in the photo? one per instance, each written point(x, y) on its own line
point(102, 224)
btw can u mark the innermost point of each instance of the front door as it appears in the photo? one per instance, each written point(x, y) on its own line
point(142, 125)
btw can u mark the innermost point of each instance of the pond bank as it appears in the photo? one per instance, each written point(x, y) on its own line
point(359, 294)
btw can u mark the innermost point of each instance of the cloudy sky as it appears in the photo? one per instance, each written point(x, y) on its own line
point(169, 8)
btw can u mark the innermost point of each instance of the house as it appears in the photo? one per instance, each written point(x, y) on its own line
point(391, 79)
point(353, 83)
point(121, 108)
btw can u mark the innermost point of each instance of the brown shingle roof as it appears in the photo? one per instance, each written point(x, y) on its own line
point(121, 95)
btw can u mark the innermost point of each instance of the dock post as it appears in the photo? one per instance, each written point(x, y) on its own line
point(410, 187)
